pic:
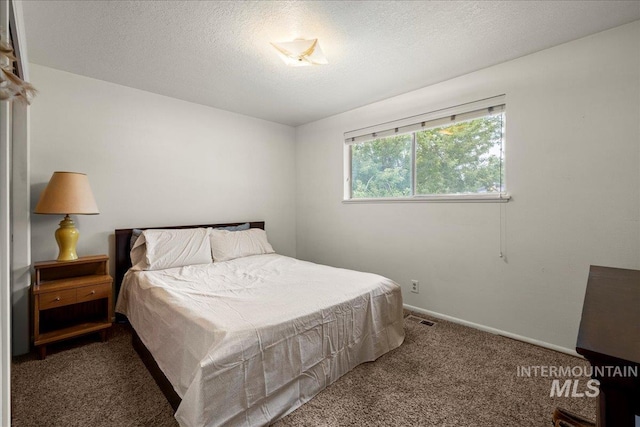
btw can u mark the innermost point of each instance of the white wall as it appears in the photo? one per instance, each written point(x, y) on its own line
point(573, 144)
point(156, 161)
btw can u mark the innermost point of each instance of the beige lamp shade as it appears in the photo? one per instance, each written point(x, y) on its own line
point(68, 193)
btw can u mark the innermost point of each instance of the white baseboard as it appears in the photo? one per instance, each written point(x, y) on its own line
point(494, 330)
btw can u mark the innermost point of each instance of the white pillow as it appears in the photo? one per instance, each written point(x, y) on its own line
point(171, 248)
point(138, 254)
point(226, 245)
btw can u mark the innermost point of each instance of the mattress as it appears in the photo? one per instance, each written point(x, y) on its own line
point(247, 341)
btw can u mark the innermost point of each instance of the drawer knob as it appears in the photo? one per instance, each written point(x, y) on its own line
point(57, 298)
point(93, 292)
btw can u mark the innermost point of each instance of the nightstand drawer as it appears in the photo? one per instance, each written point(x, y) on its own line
point(56, 299)
point(89, 293)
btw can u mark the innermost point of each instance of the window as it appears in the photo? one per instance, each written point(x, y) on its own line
point(382, 167)
point(456, 153)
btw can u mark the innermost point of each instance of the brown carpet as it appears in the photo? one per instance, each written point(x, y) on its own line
point(443, 375)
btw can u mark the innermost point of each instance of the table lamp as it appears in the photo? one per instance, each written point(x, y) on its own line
point(68, 193)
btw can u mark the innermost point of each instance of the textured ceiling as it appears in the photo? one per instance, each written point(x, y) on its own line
point(218, 53)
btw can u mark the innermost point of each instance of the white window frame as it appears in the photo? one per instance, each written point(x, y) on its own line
point(415, 123)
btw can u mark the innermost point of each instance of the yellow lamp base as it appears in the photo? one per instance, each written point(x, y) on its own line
point(67, 237)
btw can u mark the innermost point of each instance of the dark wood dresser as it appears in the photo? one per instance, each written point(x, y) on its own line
point(609, 337)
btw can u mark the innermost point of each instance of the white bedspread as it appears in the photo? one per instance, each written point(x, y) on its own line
point(245, 342)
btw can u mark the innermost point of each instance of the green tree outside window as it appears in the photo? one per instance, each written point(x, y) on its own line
point(463, 158)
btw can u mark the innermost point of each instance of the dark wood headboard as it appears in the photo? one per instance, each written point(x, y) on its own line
point(123, 238)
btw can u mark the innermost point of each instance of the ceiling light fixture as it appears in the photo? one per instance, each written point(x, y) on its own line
point(299, 53)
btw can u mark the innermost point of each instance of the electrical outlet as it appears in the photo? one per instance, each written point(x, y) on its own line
point(415, 286)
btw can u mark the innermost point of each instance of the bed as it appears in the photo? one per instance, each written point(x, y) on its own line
point(248, 340)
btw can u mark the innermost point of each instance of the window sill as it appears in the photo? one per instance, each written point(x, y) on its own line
point(446, 198)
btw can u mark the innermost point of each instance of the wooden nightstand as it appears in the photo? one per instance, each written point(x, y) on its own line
point(71, 298)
